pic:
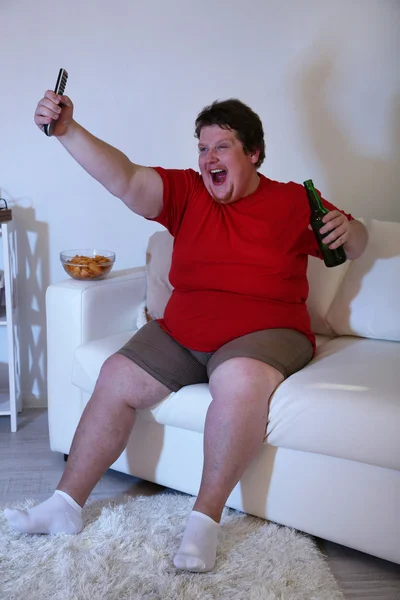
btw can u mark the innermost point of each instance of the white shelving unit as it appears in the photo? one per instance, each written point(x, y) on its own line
point(10, 401)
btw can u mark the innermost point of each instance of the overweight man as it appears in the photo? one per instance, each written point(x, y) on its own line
point(237, 317)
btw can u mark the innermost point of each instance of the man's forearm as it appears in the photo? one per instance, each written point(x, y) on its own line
point(357, 241)
point(106, 164)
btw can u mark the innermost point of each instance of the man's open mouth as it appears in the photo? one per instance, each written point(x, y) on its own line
point(218, 176)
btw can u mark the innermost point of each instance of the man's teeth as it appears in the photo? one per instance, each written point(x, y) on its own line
point(216, 170)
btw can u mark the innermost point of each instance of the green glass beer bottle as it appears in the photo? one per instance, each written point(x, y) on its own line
point(332, 258)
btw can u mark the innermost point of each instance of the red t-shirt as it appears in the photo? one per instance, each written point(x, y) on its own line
point(236, 268)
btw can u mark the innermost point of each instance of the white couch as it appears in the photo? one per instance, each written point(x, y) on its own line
point(330, 464)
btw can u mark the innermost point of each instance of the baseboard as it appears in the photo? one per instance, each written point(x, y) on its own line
point(31, 401)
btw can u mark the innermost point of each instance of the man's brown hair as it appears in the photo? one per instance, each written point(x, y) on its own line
point(235, 115)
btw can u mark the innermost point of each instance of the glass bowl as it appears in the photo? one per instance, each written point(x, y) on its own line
point(87, 264)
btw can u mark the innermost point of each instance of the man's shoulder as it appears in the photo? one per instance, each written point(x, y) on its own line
point(187, 173)
point(290, 190)
point(188, 179)
point(284, 186)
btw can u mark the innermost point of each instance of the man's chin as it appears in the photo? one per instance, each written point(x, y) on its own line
point(222, 198)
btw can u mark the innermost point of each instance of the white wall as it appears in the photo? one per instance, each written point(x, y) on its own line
point(322, 75)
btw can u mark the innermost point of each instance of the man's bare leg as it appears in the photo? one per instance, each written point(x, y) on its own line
point(234, 432)
point(101, 436)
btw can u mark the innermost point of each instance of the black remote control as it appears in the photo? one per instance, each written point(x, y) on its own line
point(59, 90)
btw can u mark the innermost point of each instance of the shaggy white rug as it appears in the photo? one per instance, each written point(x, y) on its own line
point(125, 553)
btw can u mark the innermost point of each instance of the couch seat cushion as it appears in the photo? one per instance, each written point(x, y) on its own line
point(188, 407)
point(345, 403)
point(89, 358)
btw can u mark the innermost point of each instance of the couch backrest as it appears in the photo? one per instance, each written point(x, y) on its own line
point(368, 301)
point(158, 264)
point(324, 284)
point(358, 298)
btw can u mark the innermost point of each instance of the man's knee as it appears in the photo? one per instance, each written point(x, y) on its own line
point(122, 379)
point(246, 373)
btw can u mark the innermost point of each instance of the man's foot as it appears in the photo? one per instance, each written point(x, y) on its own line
point(59, 514)
point(199, 545)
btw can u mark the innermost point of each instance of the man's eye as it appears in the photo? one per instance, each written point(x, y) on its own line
point(202, 150)
point(222, 147)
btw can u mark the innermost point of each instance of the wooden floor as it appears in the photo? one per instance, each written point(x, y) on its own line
point(28, 469)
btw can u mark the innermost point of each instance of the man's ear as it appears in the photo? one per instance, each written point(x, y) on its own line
point(255, 156)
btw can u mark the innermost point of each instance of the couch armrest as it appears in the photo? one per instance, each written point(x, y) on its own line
point(97, 308)
point(78, 312)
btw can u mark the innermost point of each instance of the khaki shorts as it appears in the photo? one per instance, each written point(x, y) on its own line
point(175, 366)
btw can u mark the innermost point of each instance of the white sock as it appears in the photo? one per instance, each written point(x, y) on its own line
point(199, 545)
point(59, 514)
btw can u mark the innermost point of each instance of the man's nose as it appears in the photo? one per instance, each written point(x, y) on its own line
point(212, 155)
